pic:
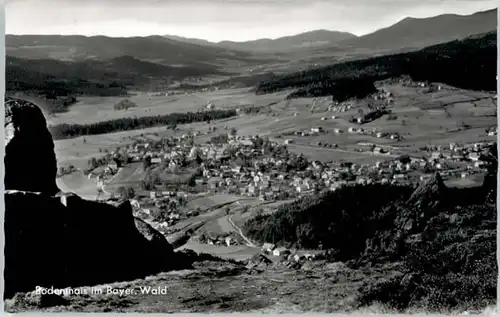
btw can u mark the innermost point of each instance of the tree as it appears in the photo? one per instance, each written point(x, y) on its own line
point(305, 235)
point(126, 192)
point(146, 162)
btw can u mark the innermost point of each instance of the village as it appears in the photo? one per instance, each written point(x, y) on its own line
point(263, 169)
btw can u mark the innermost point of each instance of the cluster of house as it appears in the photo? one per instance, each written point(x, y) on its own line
point(340, 107)
point(230, 239)
point(272, 249)
point(383, 95)
point(314, 131)
point(242, 168)
point(471, 154)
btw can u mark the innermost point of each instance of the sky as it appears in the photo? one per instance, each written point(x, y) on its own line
point(218, 20)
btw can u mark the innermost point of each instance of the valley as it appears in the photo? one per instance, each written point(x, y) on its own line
point(321, 172)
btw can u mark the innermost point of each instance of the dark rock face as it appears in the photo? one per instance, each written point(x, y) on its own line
point(30, 161)
point(55, 239)
point(429, 194)
point(69, 241)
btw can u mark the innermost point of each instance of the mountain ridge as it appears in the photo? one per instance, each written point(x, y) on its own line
point(413, 32)
point(408, 33)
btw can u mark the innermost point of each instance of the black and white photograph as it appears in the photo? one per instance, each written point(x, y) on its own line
point(250, 156)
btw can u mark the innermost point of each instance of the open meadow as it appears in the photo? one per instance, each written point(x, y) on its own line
point(95, 109)
point(421, 118)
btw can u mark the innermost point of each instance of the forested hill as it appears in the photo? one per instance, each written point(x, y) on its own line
point(468, 64)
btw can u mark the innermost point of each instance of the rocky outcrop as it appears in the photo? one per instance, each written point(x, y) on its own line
point(68, 241)
point(429, 194)
point(30, 161)
point(55, 239)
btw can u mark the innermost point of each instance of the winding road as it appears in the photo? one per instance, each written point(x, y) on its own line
point(240, 232)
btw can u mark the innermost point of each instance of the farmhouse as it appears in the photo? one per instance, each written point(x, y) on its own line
point(474, 157)
point(298, 258)
point(436, 155)
point(156, 160)
point(113, 165)
point(154, 194)
point(281, 251)
point(268, 247)
point(317, 129)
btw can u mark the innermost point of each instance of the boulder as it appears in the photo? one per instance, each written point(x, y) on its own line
point(429, 194)
point(30, 161)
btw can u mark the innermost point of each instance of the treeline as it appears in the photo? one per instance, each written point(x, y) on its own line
point(233, 82)
point(29, 76)
point(467, 64)
point(63, 131)
point(341, 89)
point(328, 221)
point(57, 105)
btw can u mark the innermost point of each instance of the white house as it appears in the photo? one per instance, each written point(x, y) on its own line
point(280, 251)
point(268, 247)
point(156, 160)
point(474, 157)
point(436, 155)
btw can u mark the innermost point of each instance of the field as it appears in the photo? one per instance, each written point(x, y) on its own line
point(128, 176)
point(238, 253)
point(209, 202)
point(95, 109)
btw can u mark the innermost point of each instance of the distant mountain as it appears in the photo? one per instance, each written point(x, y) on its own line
point(303, 40)
point(190, 40)
point(77, 77)
point(157, 49)
point(419, 33)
